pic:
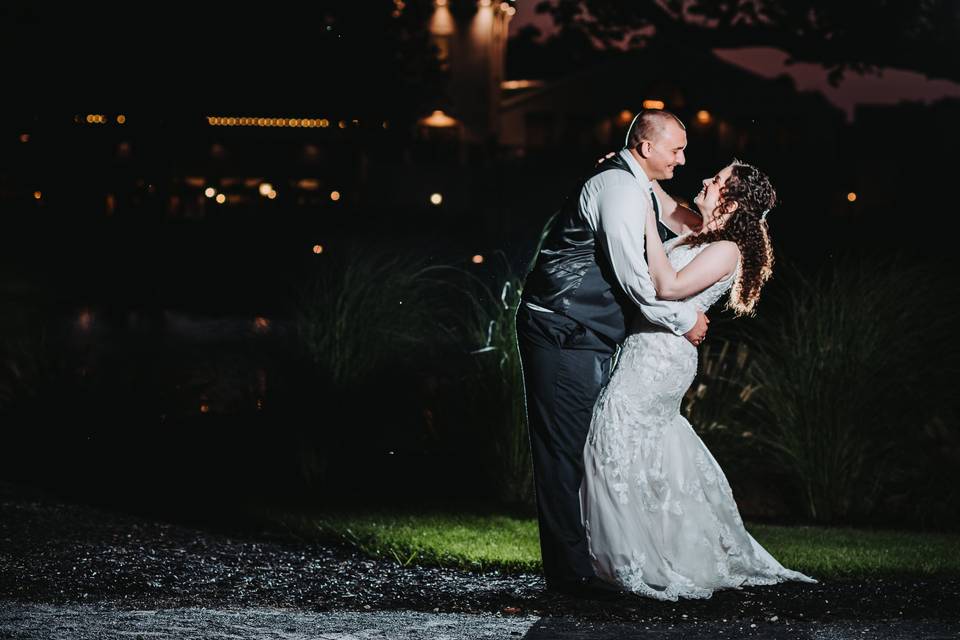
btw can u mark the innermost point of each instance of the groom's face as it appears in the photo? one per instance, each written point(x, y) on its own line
point(666, 152)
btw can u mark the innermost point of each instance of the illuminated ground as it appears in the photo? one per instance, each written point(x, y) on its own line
point(72, 571)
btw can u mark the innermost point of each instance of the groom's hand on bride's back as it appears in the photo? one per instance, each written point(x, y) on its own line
point(699, 330)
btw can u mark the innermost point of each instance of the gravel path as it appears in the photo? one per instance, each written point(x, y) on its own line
point(69, 570)
point(93, 622)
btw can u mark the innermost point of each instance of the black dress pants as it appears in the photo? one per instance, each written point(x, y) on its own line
point(564, 367)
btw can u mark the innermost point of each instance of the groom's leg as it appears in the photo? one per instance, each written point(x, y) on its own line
point(562, 378)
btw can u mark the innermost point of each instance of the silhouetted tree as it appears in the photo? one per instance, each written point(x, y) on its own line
point(921, 36)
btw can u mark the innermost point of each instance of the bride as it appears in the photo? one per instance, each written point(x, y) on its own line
point(659, 514)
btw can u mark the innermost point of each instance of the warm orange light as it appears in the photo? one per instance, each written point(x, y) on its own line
point(324, 123)
point(121, 119)
point(221, 198)
point(477, 259)
point(342, 124)
point(510, 85)
point(204, 408)
point(209, 192)
point(24, 137)
point(85, 320)
point(261, 324)
point(438, 119)
point(272, 195)
point(265, 188)
point(851, 196)
point(704, 117)
point(626, 116)
point(37, 195)
point(334, 195)
point(436, 198)
point(653, 104)
point(318, 249)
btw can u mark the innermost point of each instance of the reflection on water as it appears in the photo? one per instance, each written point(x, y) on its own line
point(168, 324)
point(183, 405)
point(188, 362)
point(166, 402)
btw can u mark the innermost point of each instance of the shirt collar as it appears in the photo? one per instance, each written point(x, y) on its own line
point(637, 169)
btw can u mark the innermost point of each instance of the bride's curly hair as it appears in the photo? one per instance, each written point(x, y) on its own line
point(751, 189)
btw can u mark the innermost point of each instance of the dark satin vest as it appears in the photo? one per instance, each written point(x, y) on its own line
point(572, 275)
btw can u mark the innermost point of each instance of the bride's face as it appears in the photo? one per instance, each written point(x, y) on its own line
point(710, 195)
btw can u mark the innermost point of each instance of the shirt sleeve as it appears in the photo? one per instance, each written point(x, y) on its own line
point(621, 216)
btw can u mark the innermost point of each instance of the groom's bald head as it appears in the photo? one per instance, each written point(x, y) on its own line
point(651, 124)
point(657, 140)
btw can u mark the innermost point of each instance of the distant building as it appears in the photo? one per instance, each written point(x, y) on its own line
point(472, 44)
point(594, 107)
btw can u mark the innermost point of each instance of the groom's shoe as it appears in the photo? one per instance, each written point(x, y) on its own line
point(591, 588)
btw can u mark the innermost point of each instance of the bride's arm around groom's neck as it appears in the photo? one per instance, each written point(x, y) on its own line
point(678, 218)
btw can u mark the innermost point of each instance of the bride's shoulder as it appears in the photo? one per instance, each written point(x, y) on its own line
point(726, 247)
point(724, 254)
point(725, 251)
point(722, 250)
point(719, 252)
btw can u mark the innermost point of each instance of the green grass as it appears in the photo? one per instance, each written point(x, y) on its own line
point(833, 552)
point(463, 541)
point(511, 544)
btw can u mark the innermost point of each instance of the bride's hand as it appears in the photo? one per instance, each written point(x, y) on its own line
point(651, 223)
point(698, 332)
point(606, 157)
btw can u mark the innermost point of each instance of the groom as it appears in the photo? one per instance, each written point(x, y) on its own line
point(589, 279)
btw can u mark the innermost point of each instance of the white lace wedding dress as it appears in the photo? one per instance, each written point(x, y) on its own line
point(659, 514)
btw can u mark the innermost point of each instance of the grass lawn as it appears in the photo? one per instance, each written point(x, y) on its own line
point(511, 544)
